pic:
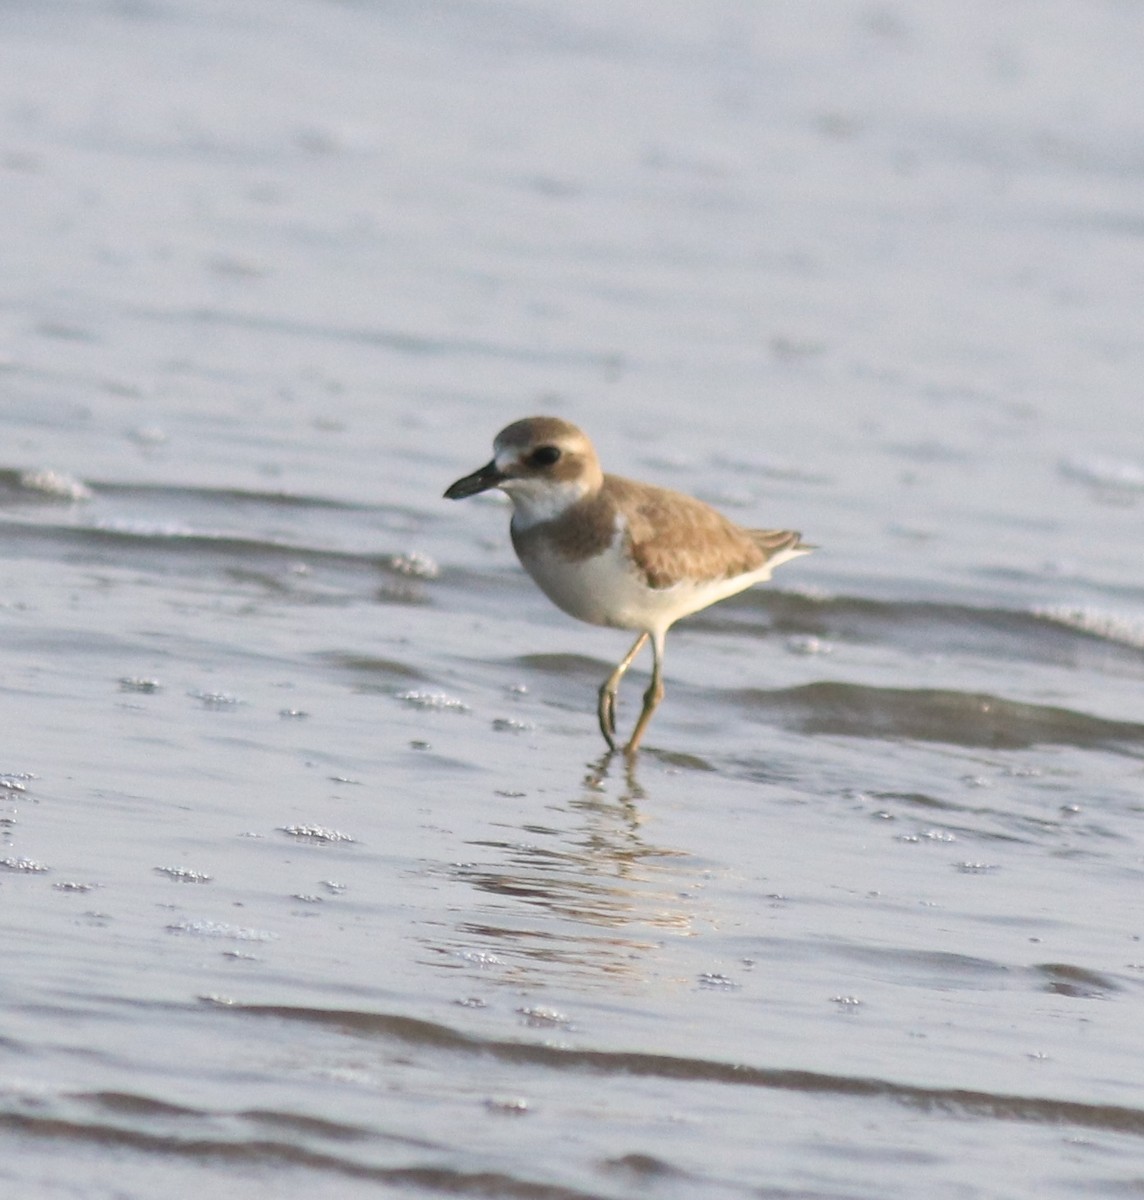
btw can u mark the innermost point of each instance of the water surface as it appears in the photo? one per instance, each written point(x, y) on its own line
point(315, 879)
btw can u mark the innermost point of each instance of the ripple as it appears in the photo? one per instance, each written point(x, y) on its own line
point(1123, 474)
point(940, 1100)
point(1112, 627)
point(936, 715)
point(1054, 634)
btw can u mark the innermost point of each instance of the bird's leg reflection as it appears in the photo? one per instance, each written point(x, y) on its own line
point(582, 888)
point(598, 773)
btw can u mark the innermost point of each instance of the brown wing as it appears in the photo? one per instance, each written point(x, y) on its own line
point(673, 537)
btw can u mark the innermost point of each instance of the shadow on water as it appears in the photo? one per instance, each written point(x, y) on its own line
point(591, 892)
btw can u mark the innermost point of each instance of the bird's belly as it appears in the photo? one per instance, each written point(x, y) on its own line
point(607, 589)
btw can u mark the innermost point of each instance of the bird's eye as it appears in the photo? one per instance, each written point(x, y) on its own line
point(544, 456)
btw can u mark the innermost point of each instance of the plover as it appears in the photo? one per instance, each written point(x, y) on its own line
point(614, 552)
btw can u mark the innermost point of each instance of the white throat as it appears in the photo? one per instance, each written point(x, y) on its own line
point(537, 501)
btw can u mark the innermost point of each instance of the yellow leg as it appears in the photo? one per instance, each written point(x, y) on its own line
point(606, 705)
point(652, 696)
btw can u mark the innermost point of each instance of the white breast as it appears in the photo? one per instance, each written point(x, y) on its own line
point(608, 589)
point(604, 590)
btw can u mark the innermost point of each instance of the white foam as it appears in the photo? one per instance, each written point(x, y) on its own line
point(56, 485)
point(434, 700)
point(1105, 471)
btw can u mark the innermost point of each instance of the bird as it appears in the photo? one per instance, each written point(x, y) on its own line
point(612, 551)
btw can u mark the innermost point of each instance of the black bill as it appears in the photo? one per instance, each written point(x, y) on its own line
point(479, 481)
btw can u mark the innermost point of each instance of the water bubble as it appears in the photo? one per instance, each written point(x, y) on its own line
point(315, 833)
point(438, 701)
point(184, 874)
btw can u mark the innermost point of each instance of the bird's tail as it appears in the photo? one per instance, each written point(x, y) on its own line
point(779, 545)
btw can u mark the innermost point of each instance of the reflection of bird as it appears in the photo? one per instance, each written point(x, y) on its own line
point(614, 552)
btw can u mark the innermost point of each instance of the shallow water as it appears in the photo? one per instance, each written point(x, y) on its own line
point(315, 879)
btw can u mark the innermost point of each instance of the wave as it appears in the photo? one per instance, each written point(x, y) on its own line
point(44, 483)
point(967, 1101)
point(159, 544)
point(1059, 634)
point(978, 720)
point(272, 1138)
point(1048, 633)
point(401, 342)
point(1111, 627)
point(1104, 471)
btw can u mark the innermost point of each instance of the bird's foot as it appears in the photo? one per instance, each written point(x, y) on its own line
point(606, 711)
